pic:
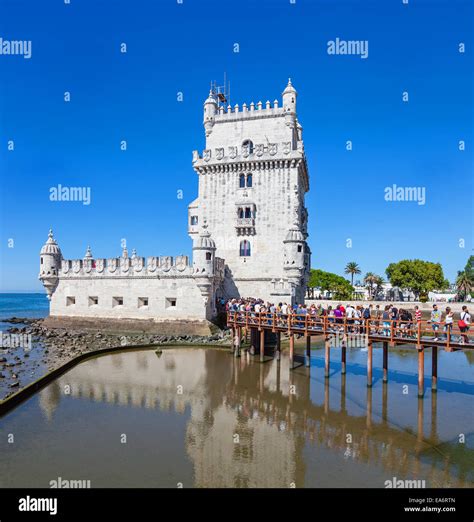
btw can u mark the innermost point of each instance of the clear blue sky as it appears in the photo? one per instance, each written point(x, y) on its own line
point(179, 48)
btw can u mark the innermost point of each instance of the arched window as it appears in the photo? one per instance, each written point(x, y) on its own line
point(249, 180)
point(242, 181)
point(241, 213)
point(208, 256)
point(245, 248)
point(248, 145)
point(248, 212)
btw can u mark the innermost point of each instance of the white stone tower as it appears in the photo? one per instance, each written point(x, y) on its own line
point(253, 178)
point(204, 250)
point(50, 265)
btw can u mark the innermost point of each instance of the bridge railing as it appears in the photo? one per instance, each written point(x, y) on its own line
point(392, 330)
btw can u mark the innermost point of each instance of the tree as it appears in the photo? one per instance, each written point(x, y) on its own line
point(369, 282)
point(469, 268)
point(420, 277)
point(352, 268)
point(327, 281)
point(379, 282)
point(464, 284)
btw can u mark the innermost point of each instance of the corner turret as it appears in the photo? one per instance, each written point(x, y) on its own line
point(204, 250)
point(289, 102)
point(50, 264)
point(210, 110)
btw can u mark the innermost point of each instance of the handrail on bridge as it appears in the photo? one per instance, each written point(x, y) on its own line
point(393, 330)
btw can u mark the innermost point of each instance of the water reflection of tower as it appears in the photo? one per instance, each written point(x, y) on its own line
point(268, 452)
point(49, 399)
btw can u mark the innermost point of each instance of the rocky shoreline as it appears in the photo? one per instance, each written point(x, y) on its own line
point(31, 349)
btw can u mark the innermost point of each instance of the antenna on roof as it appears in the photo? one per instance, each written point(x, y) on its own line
point(221, 92)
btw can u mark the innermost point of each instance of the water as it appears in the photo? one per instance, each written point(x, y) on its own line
point(22, 305)
point(201, 418)
point(31, 351)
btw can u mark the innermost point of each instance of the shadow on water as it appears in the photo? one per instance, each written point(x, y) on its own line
point(206, 419)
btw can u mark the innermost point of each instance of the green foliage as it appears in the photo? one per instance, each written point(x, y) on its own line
point(352, 268)
point(416, 275)
point(465, 279)
point(327, 281)
point(469, 268)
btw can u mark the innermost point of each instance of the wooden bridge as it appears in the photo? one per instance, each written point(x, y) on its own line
point(420, 335)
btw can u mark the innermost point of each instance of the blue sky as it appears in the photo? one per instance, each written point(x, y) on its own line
point(175, 48)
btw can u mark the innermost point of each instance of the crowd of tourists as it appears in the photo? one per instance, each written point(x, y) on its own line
point(382, 320)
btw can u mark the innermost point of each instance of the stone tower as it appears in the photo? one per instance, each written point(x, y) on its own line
point(253, 178)
point(50, 265)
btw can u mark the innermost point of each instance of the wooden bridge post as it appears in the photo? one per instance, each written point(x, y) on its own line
point(327, 356)
point(292, 350)
point(278, 347)
point(369, 363)
point(308, 351)
point(385, 361)
point(233, 339)
point(421, 372)
point(434, 368)
point(262, 344)
point(343, 355)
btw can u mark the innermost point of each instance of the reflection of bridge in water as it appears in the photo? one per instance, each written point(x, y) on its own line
point(418, 334)
point(270, 409)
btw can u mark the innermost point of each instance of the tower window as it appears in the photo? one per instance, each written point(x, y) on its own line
point(41, 260)
point(241, 213)
point(242, 181)
point(142, 301)
point(208, 256)
point(249, 180)
point(70, 300)
point(194, 220)
point(117, 301)
point(245, 248)
point(248, 212)
point(249, 145)
point(300, 248)
point(93, 300)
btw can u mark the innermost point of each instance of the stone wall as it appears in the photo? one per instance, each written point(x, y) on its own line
point(74, 297)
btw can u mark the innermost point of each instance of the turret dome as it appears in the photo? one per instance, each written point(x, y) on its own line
point(211, 98)
point(289, 89)
point(205, 241)
point(50, 247)
point(294, 235)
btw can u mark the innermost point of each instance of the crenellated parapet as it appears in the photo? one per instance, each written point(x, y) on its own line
point(249, 152)
point(253, 157)
point(162, 266)
point(250, 111)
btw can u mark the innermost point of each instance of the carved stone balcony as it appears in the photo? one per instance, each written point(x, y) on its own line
point(245, 226)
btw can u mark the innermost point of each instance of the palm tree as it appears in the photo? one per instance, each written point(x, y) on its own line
point(379, 282)
point(369, 281)
point(352, 268)
point(464, 284)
